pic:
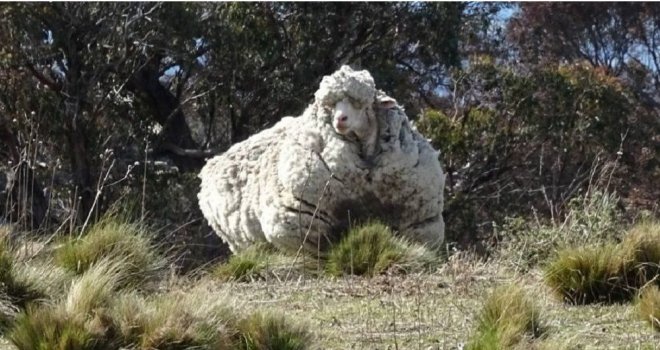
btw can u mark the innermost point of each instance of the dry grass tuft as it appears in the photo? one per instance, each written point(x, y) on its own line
point(588, 274)
point(610, 272)
point(245, 266)
point(78, 320)
point(113, 238)
point(649, 305)
point(507, 317)
point(372, 249)
point(267, 331)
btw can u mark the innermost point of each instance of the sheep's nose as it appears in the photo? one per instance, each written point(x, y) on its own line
point(343, 118)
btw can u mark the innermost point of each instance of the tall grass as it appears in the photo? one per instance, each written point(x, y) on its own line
point(588, 274)
point(508, 316)
point(589, 219)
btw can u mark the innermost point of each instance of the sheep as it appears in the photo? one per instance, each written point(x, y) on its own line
point(350, 156)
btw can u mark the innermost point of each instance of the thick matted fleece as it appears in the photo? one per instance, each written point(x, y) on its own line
point(300, 182)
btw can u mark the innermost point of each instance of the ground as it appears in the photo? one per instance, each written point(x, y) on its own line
point(436, 310)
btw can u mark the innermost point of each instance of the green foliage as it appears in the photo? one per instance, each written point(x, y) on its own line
point(648, 305)
point(112, 238)
point(609, 272)
point(372, 249)
point(516, 140)
point(507, 316)
point(262, 331)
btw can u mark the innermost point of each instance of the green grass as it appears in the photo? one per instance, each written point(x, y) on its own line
point(649, 306)
point(506, 318)
point(112, 238)
point(373, 249)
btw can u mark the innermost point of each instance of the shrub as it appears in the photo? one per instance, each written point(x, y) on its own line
point(508, 316)
point(265, 331)
point(372, 249)
point(116, 239)
point(649, 305)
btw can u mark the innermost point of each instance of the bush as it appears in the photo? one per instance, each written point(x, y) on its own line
point(508, 316)
point(518, 141)
point(262, 331)
point(116, 239)
point(372, 249)
point(649, 305)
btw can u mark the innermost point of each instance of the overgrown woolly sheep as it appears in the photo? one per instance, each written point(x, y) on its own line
point(350, 156)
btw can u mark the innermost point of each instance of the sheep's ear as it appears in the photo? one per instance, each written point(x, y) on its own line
point(386, 102)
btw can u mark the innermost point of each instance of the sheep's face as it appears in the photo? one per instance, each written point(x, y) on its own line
point(349, 116)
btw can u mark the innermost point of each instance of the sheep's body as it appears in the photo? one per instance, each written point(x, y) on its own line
point(300, 181)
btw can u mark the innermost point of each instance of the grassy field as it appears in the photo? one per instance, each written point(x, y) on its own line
point(436, 310)
point(110, 289)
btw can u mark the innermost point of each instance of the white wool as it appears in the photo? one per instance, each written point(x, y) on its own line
point(302, 181)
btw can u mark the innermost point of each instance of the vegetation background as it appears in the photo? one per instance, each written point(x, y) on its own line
point(547, 116)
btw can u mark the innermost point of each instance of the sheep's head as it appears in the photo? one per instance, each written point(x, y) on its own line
point(358, 86)
point(350, 116)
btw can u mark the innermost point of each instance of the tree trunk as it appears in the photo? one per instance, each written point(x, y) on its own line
point(167, 112)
